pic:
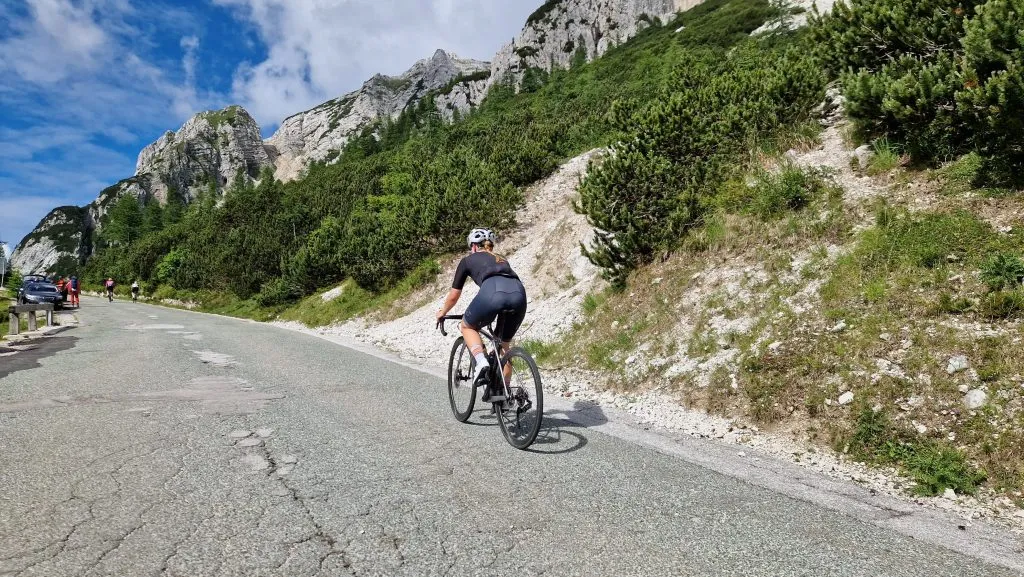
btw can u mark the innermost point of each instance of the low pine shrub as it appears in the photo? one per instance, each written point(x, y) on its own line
point(940, 77)
point(1002, 270)
point(1000, 305)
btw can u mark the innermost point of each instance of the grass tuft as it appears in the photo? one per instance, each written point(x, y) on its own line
point(887, 157)
point(542, 352)
point(933, 465)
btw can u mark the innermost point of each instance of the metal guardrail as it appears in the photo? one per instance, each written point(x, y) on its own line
point(15, 312)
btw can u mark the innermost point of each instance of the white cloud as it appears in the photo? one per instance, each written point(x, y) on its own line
point(320, 49)
point(60, 38)
point(83, 79)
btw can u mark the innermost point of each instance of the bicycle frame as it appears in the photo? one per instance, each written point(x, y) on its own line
point(487, 335)
point(518, 399)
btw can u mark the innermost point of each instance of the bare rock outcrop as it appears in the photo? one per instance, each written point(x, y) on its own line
point(210, 148)
point(59, 235)
point(560, 29)
point(320, 133)
point(67, 235)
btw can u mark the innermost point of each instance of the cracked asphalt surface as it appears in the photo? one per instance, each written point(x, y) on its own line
point(170, 443)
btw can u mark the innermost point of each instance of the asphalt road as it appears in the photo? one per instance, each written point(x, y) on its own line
point(169, 443)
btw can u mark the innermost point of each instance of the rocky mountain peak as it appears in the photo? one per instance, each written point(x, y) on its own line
point(321, 132)
point(210, 148)
point(560, 29)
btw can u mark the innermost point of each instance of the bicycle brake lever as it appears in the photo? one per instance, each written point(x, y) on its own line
point(440, 326)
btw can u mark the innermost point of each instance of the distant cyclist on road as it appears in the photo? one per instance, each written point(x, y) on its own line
point(110, 289)
point(500, 290)
point(135, 291)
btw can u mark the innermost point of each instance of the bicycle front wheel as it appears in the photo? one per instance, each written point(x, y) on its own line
point(520, 415)
point(461, 390)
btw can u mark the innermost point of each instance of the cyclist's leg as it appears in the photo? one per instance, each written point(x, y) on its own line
point(479, 313)
point(473, 341)
point(513, 298)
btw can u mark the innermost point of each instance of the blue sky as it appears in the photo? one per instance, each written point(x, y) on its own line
point(88, 83)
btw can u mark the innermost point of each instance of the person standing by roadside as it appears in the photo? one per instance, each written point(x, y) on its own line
point(62, 289)
point(74, 291)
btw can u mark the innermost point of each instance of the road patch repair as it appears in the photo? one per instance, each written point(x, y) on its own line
point(214, 394)
point(26, 349)
point(156, 327)
point(258, 457)
point(215, 359)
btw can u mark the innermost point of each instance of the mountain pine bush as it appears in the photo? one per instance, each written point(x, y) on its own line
point(647, 194)
point(942, 77)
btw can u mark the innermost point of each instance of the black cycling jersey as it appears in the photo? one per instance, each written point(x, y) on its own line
point(481, 266)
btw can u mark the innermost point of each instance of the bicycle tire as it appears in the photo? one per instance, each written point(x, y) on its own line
point(461, 391)
point(522, 413)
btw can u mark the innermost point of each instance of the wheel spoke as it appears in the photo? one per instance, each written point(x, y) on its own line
point(461, 393)
point(521, 416)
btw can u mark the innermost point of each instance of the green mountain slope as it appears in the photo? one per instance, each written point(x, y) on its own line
point(407, 189)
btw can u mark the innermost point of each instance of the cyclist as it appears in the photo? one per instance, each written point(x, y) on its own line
point(500, 290)
point(110, 289)
point(135, 291)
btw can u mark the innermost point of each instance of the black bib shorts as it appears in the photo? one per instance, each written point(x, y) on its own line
point(497, 294)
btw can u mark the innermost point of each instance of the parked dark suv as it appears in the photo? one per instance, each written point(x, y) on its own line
point(38, 293)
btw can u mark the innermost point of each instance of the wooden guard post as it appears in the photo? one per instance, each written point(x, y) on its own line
point(16, 311)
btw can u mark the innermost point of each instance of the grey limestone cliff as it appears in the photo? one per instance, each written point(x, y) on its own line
point(313, 135)
point(559, 29)
point(210, 148)
point(58, 236)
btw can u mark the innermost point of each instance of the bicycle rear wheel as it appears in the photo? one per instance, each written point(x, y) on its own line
point(461, 390)
point(520, 415)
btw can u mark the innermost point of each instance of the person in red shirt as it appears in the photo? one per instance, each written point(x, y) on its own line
point(61, 289)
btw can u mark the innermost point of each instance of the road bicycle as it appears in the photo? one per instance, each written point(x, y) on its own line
point(521, 412)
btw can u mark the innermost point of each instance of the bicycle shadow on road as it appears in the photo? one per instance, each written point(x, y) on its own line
point(562, 429)
point(564, 424)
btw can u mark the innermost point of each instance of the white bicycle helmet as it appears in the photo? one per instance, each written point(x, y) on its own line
point(479, 235)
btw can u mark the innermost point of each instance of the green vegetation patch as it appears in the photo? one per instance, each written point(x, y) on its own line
point(354, 300)
point(774, 194)
point(682, 145)
point(935, 466)
point(939, 77)
point(394, 83)
point(542, 13)
point(464, 79)
point(227, 116)
point(908, 257)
